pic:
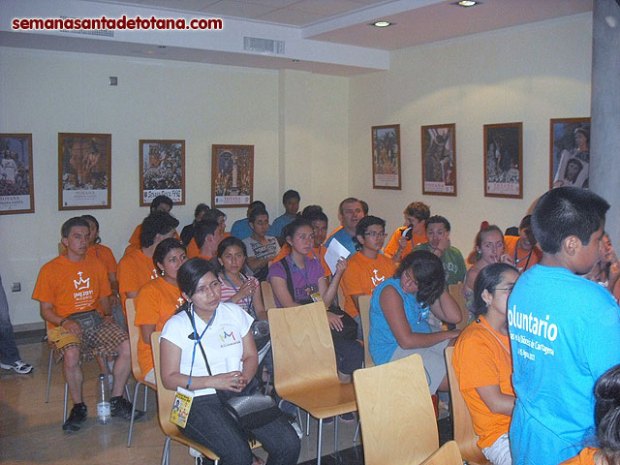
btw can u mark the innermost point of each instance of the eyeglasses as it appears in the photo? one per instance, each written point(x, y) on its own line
point(374, 234)
point(509, 289)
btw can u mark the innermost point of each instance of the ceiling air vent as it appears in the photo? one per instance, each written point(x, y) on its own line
point(265, 46)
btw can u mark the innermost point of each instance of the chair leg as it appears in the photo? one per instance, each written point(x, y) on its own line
point(336, 434)
point(165, 454)
point(64, 412)
point(128, 392)
point(49, 376)
point(357, 432)
point(319, 442)
point(307, 424)
point(133, 414)
point(146, 393)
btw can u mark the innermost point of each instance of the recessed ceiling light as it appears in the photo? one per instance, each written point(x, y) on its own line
point(382, 23)
point(467, 3)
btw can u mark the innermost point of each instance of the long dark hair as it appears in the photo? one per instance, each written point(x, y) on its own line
point(189, 274)
point(163, 248)
point(607, 414)
point(487, 280)
point(428, 272)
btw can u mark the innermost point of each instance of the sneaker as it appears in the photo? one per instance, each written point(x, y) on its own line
point(78, 415)
point(347, 417)
point(121, 407)
point(18, 367)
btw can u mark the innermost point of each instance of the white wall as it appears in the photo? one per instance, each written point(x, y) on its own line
point(45, 93)
point(530, 74)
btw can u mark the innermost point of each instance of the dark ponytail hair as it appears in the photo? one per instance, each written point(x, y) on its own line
point(607, 414)
point(428, 272)
point(487, 280)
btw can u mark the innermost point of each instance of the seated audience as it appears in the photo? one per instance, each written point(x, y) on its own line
point(411, 234)
point(187, 233)
point(482, 362)
point(438, 232)
point(241, 228)
point(399, 311)
point(606, 447)
point(136, 268)
point(213, 367)
point(261, 248)
point(298, 279)
point(367, 268)
point(207, 235)
point(290, 200)
point(563, 330)
point(606, 270)
point(522, 248)
point(350, 211)
point(158, 300)
point(488, 249)
point(161, 203)
point(73, 291)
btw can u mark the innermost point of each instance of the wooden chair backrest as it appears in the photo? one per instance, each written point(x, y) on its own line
point(463, 433)
point(396, 412)
point(134, 336)
point(303, 350)
point(268, 300)
point(448, 454)
point(165, 397)
point(364, 303)
point(456, 291)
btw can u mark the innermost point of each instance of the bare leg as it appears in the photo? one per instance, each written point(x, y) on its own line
point(122, 368)
point(73, 373)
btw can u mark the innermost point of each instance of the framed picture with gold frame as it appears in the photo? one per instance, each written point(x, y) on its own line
point(232, 175)
point(162, 170)
point(16, 184)
point(439, 159)
point(386, 166)
point(503, 160)
point(84, 171)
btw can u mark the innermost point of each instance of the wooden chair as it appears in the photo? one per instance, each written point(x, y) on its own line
point(304, 362)
point(268, 299)
point(165, 398)
point(456, 291)
point(364, 303)
point(463, 428)
point(396, 412)
point(448, 454)
point(134, 337)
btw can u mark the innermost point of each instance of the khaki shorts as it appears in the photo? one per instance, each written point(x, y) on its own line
point(103, 340)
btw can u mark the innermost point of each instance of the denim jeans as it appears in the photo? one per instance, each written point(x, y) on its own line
point(210, 424)
point(8, 349)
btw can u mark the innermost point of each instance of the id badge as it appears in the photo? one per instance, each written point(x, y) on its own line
point(316, 297)
point(181, 406)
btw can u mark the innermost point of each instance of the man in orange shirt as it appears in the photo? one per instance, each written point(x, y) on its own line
point(161, 203)
point(73, 292)
point(368, 267)
point(208, 234)
point(522, 248)
point(136, 268)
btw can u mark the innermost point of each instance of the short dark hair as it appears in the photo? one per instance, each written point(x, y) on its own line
point(157, 201)
point(214, 214)
point(231, 241)
point(157, 222)
point(350, 200)
point(204, 228)
point(363, 225)
point(290, 194)
point(310, 210)
point(436, 219)
point(201, 208)
point(164, 247)
point(607, 414)
point(418, 210)
point(488, 278)
point(567, 211)
point(428, 272)
point(315, 215)
point(290, 229)
point(255, 213)
point(256, 204)
point(65, 229)
point(190, 273)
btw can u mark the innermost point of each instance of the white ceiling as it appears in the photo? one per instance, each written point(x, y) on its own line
point(324, 36)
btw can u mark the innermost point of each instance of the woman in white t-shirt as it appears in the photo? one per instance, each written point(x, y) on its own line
point(223, 331)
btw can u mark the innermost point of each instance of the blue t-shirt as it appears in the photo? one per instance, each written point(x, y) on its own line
point(241, 229)
point(278, 224)
point(344, 238)
point(564, 334)
point(381, 340)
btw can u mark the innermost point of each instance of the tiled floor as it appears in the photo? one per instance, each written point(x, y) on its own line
point(30, 429)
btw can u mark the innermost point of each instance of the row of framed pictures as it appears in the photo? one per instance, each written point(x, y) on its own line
point(569, 157)
point(85, 172)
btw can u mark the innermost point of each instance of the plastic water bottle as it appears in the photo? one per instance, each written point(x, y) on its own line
point(104, 413)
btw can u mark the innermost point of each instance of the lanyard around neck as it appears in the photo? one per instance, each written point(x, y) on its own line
point(191, 313)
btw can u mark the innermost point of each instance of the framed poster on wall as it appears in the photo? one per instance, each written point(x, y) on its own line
point(232, 175)
point(385, 142)
point(569, 152)
point(503, 160)
point(439, 159)
point(16, 184)
point(162, 170)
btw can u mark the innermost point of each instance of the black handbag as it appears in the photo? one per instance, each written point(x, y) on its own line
point(250, 408)
point(87, 320)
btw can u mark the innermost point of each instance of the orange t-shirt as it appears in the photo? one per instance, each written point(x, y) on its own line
point(392, 246)
point(134, 270)
point(585, 457)
point(521, 257)
point(72, 287)
point(134, 240)
point(192, 249)
point(362, 275)
point(156, 302)
point(482, 358)
point(104, 254)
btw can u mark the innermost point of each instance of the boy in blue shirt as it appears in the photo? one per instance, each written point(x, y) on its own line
point(564, 330)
